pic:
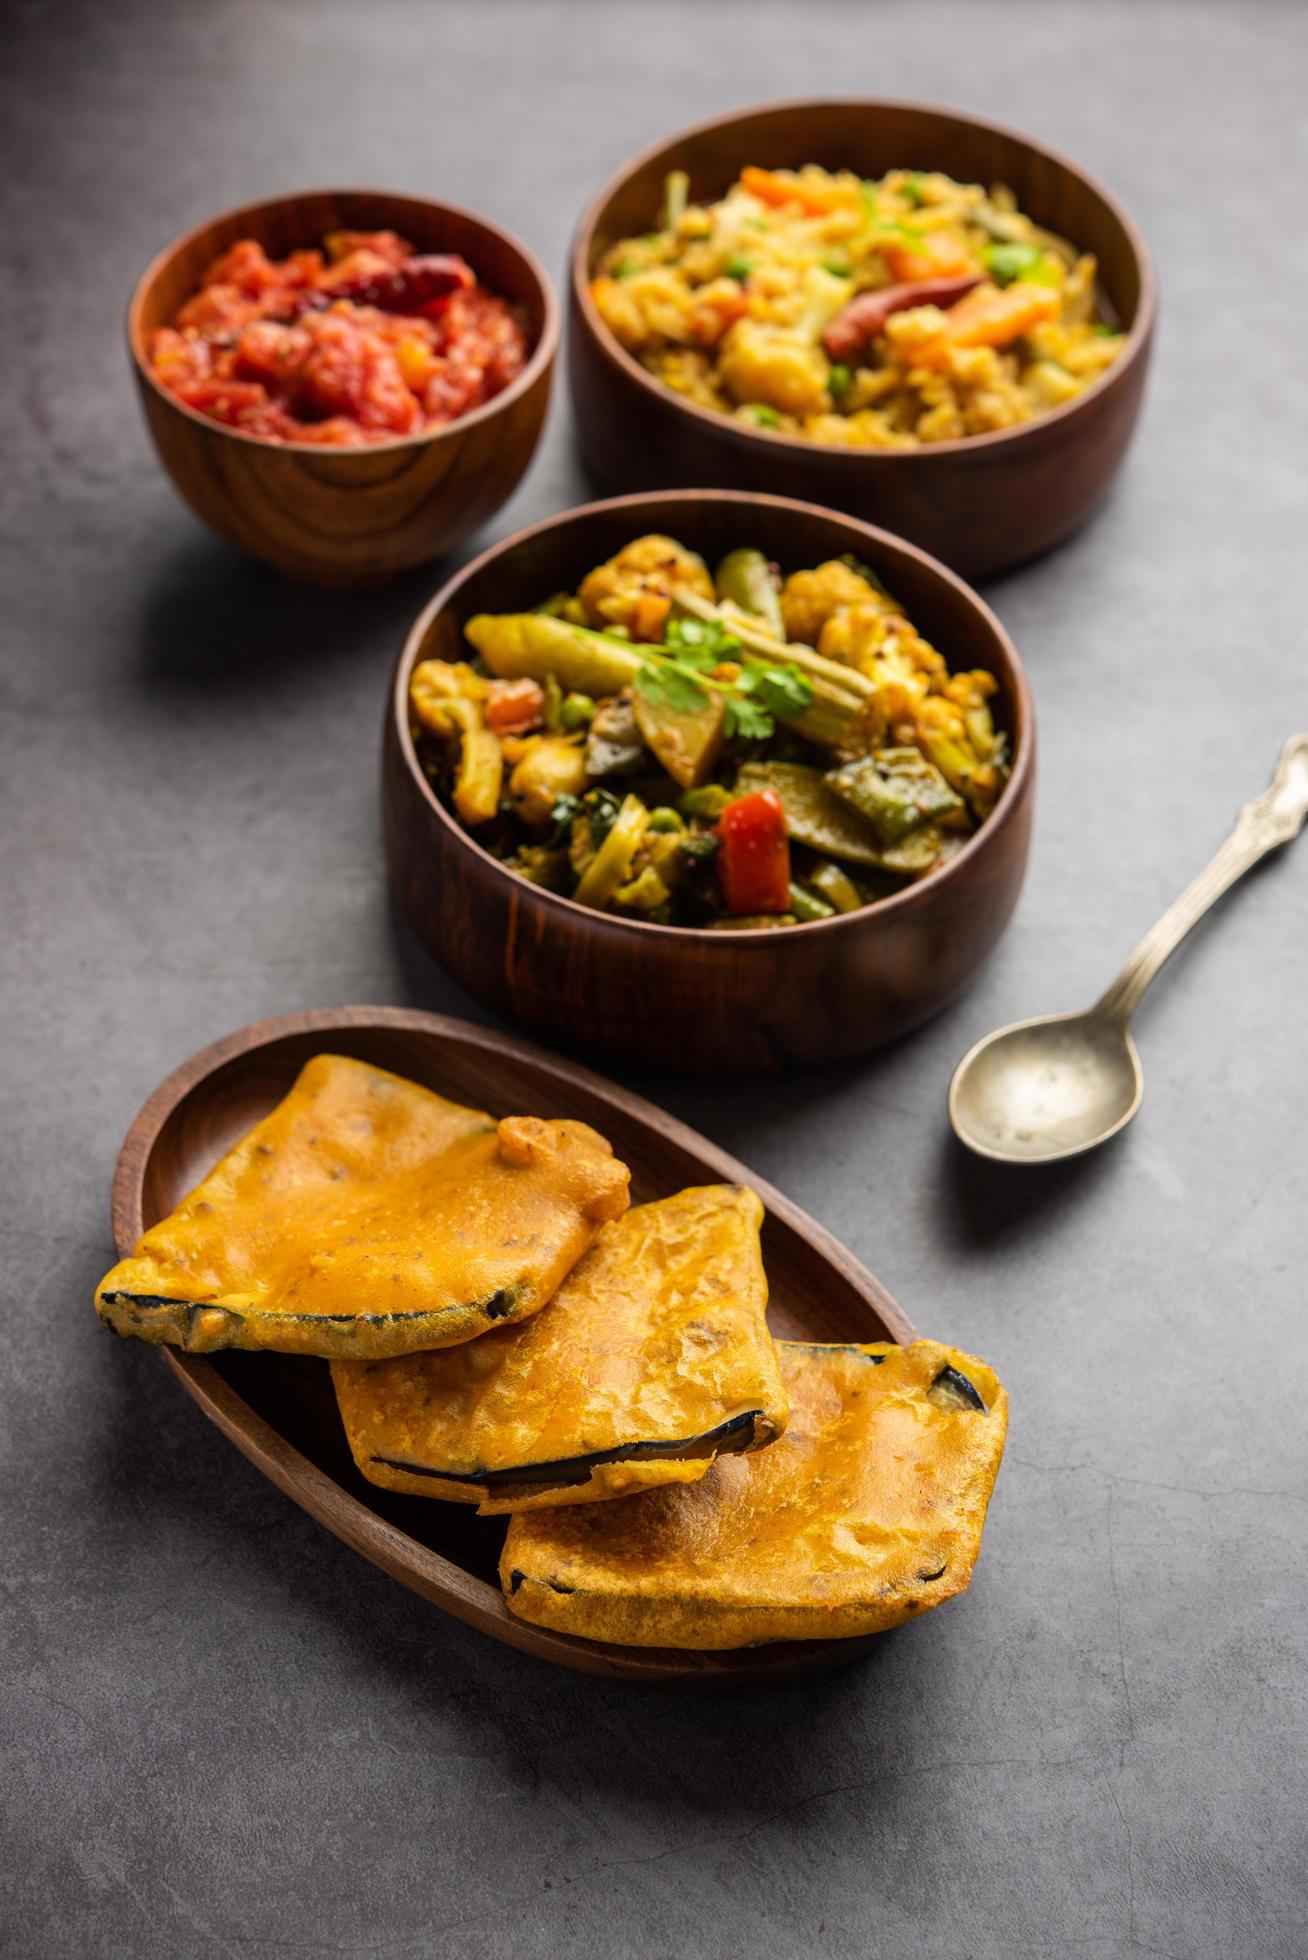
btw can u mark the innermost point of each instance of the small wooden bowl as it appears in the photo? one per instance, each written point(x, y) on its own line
point(684, 997)
point(345, 517)
point(982, 503)
point(280, 1411)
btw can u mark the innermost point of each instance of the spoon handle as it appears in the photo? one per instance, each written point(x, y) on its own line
point(1271, 819)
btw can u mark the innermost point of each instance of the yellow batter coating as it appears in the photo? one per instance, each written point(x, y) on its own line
point(867, 1511)
point(366, 1216)
point(653, 1355)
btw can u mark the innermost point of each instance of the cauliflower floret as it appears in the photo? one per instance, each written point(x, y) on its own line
point(760, 363)
point(885, 647)
point(635, 588)
point(956, 731)
point(808, 599)
point(648, 309)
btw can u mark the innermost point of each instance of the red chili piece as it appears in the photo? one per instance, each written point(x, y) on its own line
point(862, 320)
point(410, 286)
point(753, 856)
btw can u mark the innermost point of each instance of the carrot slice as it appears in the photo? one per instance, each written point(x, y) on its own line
point(930, 255)
point(989, 317)
point(992, 317)
point(770, 188)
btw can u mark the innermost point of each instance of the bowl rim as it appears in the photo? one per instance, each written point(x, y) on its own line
point(538, 364)
point(897, 904)
point(1137, 338)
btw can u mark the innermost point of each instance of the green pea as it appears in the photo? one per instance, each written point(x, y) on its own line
point(839, 381)
point(662, 817)
point(577, 711)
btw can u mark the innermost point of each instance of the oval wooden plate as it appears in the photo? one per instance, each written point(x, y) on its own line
point(280, 1410)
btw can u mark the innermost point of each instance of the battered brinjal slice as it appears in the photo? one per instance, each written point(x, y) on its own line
point(366, 1216)
point(866, 1512)
point(652, 1358)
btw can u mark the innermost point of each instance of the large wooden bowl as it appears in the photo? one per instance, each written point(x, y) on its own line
point(279, 1409)
point(981, 503)
point(717, 1002)
point(349, 516)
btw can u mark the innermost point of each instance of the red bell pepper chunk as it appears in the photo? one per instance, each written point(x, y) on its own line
point(753, 855)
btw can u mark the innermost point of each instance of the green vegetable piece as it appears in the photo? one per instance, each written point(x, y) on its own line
point(766, 693)
point(807, 906)
point(623, 269)
point(897, 790)
point(538, 645)
point(761, 415)
point(575, 710)
point(645, 893)
point(676, 195)
point(553, 709)
point(1007, 262)
point(814, 814)
point(748, 580)
point(706, 803)
point(839, 381)
point(611, 865)
point(664, 818)
point(836, 886)
point(736, 267)
point(838, 268)
point(911, 188)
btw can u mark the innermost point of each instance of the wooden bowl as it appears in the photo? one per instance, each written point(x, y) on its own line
point(349, 516)
point(982, 503)
point(691, 998)
point(280, 1411)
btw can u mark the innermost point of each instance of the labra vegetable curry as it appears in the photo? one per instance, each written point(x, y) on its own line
point(727, 749)
point(868, 314)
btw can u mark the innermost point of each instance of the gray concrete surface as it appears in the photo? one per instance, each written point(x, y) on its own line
point(221, 1732)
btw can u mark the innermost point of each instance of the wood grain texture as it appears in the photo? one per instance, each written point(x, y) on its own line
point(343, 517)
point(280, 1411)
point(983, 503)
point(693, 999)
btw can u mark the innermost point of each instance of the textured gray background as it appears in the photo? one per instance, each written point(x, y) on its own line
point(222, 1732)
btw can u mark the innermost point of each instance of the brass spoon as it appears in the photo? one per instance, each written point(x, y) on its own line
point(1060, 1084)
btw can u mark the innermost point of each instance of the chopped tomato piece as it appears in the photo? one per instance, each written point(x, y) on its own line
point(512, 707)
point(366, 341)
point(753, 855)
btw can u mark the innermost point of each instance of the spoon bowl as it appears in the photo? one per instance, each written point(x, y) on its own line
point(1046, 1088)
point(1062, 1083)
